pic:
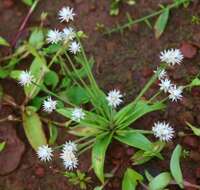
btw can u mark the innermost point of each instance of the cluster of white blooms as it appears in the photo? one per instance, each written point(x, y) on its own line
point(25, 78)
point(171, 57)
point(68, 154)
point(163, 131)
point(114, 98)
point(45, 153)
point(77, 114)
point(67, 34)
point(49, 105)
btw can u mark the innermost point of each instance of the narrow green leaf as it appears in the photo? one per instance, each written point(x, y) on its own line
point(130, 180)
point(3, 42)
point(28, 2)
point(91, 119)
point(98, 155)
point(161, 22)
point(2, 146)
point(175, 166)
point(83, 131)
point(98, 188)
point(33, 128)
point(195, 130)
point(160, 182)
point(148, 175)
point(134, 139)
point(53, 133)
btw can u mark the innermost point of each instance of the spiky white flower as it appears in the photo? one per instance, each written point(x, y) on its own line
point(161, 73)
point(165, 85)
point(66, 14)
point(77, 114)
point(74, 47)
point(70, 160)
point(171, 56)
point(70, 146)
point(25, 78)
point(163, 131)
point(175, 93)
point(49, 105)
point(68, 34)
point(54, 36)
point(45, 153)
point(114, 98)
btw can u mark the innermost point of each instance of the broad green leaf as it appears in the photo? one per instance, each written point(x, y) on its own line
point(28, 2)
point(98, 155)
point(36, 102)
point(51, 79)
point(77, 95)
point(33, 128)
point(38, 69)
point(161, 22)
point(4, 73)
point(134, 139)
point(53, 133)
point(3, 42)
point(2, 146)
point(65, 83)
point(15, 74)
point(37, 38)
point(195, 82)
point(130, 180)
point(175, 166)
point(195, 130)
point(160, 182)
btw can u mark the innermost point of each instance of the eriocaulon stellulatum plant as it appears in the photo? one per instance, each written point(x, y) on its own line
point(97, 127)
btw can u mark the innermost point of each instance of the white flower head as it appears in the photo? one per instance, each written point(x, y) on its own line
point(114, 98)
point(161, 73)
point(68, 33)
point(171, 56)
point(54, 36)
point(49, 105)
point(175, 93)
point(66, 14)
point(77, 114)
point(25, 78)
point(74, 47)
point(70, 160)
point(45, 153)
point(165, 85)
point(163, 131)
point(70, 146)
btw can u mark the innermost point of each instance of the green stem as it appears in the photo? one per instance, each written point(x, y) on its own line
point(132, 22)
point(53, 94)
point(85, 149)
point(155, 95)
